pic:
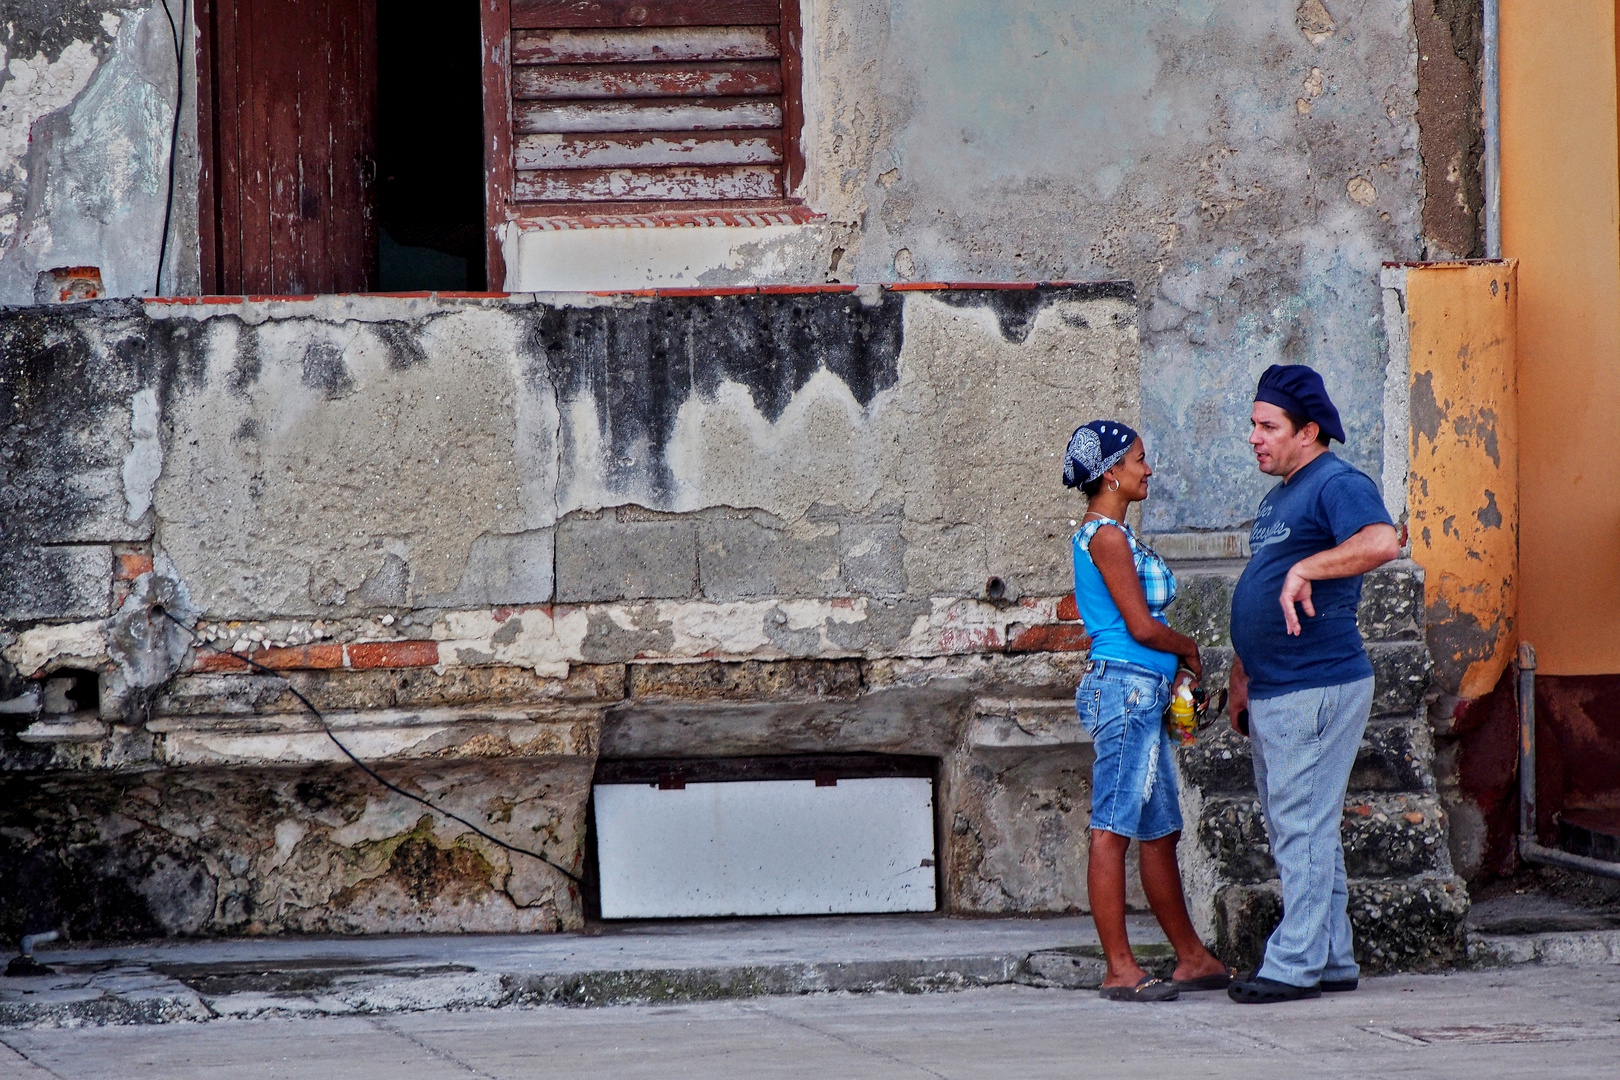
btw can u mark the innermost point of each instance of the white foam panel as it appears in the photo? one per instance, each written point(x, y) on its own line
point(765, 847)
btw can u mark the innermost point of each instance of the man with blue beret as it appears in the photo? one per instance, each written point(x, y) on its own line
point(1301, 685)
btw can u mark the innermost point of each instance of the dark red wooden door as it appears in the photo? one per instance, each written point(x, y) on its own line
point(288, 122)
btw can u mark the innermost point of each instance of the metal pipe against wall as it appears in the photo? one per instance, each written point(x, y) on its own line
point(1530, 848)
point(1527, 743)
point(1491, 93)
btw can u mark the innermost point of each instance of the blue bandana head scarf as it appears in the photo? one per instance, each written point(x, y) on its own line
point(1095, 448)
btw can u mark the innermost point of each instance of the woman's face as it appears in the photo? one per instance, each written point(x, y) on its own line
point(1132, 472)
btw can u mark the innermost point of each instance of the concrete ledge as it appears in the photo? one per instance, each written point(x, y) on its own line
point(1564, 947)
point(1025, 724)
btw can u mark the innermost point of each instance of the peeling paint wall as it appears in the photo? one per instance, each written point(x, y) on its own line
point(1463, 490)
point(1247, 166)
point(564, 526)
point(1453, 355)
point(87, 99)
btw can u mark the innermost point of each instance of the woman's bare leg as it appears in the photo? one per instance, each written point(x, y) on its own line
point(1161, 880)
point(1105, 881)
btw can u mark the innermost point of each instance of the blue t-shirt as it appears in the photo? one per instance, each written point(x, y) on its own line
point(1319, 507)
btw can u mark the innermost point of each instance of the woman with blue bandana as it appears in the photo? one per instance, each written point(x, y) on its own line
point(1122, 588)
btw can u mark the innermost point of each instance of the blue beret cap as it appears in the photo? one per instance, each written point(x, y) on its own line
point(1298, 388)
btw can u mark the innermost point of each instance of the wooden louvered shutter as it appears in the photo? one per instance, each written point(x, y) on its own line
point(636, 105)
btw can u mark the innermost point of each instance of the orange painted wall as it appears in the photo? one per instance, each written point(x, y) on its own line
point(1462, 491)
point(1561, 221)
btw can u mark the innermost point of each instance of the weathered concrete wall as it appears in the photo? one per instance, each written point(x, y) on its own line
point(1247, 166)
point(87, 98)
point(488, 536)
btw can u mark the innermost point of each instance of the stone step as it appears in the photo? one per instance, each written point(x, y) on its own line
point(1391, 602)
point(1400, 673)
point(1410, 924)
point(1396, 755)
point(1385, 836)
point(1583, 947)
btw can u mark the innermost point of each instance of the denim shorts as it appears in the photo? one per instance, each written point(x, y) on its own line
point(1133, 783)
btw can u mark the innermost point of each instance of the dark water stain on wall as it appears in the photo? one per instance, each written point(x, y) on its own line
point(1017, 309)
point(640, 363)
point(1451, 129)
point(58, 381)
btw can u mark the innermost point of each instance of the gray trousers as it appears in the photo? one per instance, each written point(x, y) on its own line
point(1304, 746)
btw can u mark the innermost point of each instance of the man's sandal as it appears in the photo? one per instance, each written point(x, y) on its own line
point(1263, 991)
point(1146, 989)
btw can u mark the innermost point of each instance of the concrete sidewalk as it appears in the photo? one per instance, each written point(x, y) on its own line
point(656, 962)
point(1529, 1022)
point(647, 962)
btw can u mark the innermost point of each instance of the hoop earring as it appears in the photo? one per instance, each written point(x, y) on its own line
point(1113, 483)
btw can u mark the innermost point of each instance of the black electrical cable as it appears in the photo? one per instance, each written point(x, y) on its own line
point(174, 139)
point(197, 640)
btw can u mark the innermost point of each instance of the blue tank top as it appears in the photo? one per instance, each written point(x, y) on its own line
point(1110, 640)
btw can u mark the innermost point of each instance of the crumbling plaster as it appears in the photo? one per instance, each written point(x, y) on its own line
point(87, 98)
point(450, 521)
point(335, 457)
point(1247, 166)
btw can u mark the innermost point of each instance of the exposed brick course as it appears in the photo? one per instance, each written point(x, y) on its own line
point(391, 654)
point(1057, 637)
point(326, 656)
point(128, 567)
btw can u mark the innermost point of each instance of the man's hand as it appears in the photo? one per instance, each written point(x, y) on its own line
point(1368, 549)
point(1296, 590)
point(1237, 694)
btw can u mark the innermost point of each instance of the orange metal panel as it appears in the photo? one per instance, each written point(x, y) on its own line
point(1561, 220)
point(1462, 494)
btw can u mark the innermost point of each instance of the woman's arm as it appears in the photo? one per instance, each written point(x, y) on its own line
point(1111, 553)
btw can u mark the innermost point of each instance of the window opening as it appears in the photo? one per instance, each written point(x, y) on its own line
point(430, 145)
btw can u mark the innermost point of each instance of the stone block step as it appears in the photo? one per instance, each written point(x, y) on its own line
point(1385, 836)
point(1400, 674)
point(1412, 924)
point(1561, 947)
point(1396, 755)
point(1391, 602)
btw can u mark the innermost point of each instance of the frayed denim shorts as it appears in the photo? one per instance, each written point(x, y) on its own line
point(1133, 783)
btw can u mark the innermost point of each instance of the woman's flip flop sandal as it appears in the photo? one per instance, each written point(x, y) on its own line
point(1220, 980)
point(1147, 989)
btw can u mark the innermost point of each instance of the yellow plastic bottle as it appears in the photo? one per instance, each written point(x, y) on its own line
point(1183, 717)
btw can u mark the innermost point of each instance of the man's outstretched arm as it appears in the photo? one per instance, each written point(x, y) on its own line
point(1368, 549)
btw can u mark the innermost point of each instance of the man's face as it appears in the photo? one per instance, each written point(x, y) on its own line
point(1278, 447)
